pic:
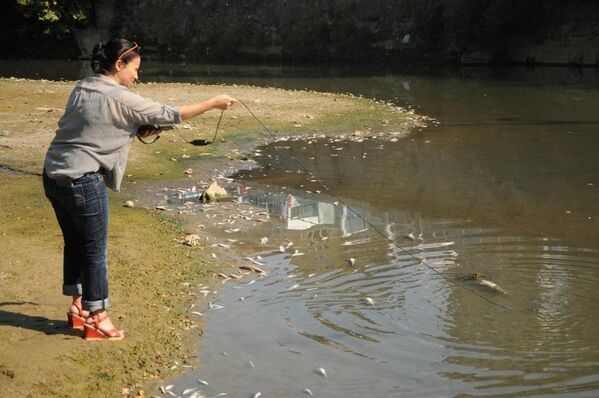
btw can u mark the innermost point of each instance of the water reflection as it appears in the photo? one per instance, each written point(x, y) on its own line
point(310, 311)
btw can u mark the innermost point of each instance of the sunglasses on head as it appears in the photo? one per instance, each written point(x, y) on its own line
point(128, 51)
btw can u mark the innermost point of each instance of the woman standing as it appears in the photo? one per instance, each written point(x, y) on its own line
point(88, 153)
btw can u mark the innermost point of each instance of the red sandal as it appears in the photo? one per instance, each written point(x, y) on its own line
point(76, 319)
point(94, 332)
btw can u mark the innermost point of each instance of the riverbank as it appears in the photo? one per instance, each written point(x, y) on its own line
point(154, 279)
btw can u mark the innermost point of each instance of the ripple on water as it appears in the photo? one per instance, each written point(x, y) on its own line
point(424, 317)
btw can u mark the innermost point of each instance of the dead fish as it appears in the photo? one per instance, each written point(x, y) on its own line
point(322, 372)
point(307, 391)
point(351, 261)
point(254, 261)
point(250, 267)
point(188, 391)
point(297, 253)
point(264, 241)
point(281, 249)
point(410, 236)
point(251, 364)
point(257, 395)
point(368, 301)
point(197, 313)
point(204, 382)
point(491, 285)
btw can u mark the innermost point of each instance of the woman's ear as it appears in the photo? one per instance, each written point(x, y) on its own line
point(119, 65)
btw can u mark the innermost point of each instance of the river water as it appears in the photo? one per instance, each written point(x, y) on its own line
point(373, 280)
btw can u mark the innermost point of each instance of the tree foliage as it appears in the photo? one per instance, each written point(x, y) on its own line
point(311, 30)
point(72, 13)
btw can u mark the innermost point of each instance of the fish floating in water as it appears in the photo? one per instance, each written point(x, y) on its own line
point(368, 301)
point(322, 372)
point(491, 285)
point(478, 278)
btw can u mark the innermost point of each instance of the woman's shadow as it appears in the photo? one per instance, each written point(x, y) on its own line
point(37, 323)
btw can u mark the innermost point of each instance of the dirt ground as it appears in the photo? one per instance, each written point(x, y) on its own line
point(154, 279)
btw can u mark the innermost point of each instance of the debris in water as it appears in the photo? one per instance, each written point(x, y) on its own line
point(129, 203)
point(351, 261)
point(188, 171)
point(214, 192)
point(264, 241)
point(410, 236)
point(192, 240)
point(251, 364)
point(322, 372)
point(160, 207)
point(282, 249)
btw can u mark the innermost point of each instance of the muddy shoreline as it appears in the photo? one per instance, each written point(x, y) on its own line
point(155, 280)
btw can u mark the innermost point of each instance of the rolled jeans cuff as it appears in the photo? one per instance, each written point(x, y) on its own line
point(92, 306)
point(72, 290)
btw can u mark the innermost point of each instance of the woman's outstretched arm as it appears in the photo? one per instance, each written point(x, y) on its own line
point(223, 102)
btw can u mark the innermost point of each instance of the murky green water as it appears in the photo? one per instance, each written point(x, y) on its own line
point(506, 186)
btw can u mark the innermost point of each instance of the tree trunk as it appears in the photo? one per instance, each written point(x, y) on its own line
point(104, 11)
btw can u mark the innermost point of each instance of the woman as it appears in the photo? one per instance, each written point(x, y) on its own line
point(88, 153)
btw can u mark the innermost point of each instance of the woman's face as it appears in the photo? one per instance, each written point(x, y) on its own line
point(126, 73)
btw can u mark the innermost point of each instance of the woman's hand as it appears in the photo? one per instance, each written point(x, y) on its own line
point(223, 102)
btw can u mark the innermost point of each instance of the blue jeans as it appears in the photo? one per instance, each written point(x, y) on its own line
point(81, 208)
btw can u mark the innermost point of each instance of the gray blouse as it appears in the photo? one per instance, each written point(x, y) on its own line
point(97, 128)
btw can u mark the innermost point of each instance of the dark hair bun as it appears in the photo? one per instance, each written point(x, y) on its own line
point(105, 55)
